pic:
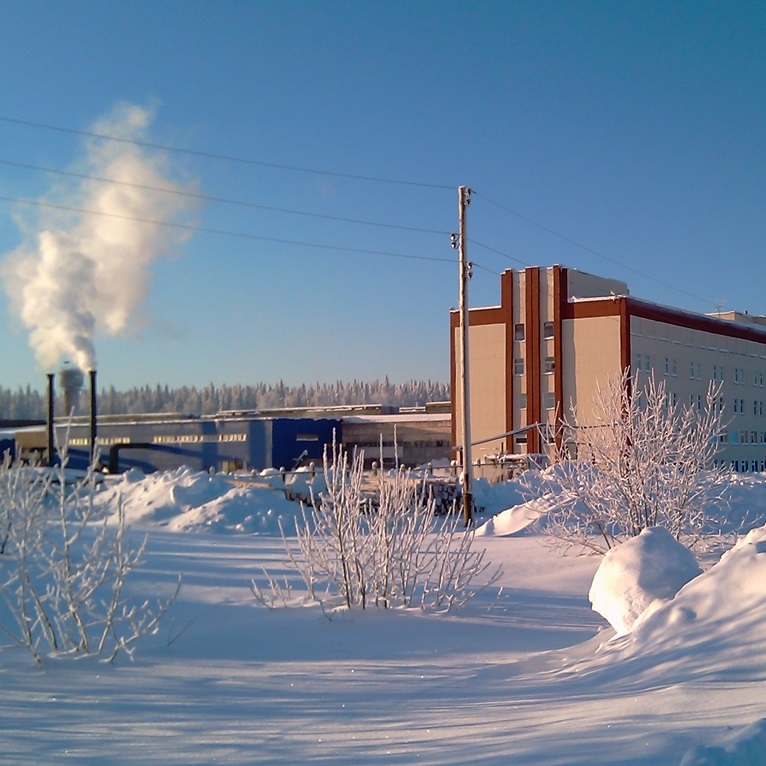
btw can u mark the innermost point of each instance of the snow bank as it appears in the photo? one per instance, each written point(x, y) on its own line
point(719, 607)
point(185, 500)
point(747, 747)
point(518, 517)
point(639, 575)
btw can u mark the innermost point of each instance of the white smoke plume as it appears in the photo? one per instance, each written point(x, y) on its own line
point(79, 275)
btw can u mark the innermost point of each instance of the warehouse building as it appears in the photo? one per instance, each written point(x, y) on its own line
point(211, 443)
point(559, 332)
point(284, 438)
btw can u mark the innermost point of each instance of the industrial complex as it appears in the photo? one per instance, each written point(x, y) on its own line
point(556, 334)
point(228, 441)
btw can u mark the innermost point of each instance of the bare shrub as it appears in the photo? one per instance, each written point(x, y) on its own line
point(382, 545)
point(642, 460)
point(63, 568)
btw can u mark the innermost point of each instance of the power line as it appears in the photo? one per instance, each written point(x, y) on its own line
point(223, 232)
point(224, 157)
point(498, 252)
point(224, 200)
point(590, 250)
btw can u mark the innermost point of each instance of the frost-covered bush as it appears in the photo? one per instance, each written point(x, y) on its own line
point(378, 541)
point(63, 568)
point(640, 460)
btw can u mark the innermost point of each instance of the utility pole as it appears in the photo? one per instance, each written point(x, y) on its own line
point(464, 402)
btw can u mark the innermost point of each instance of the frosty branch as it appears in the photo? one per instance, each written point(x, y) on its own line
point(381, 546)
point(641, 460)
point(63, 568)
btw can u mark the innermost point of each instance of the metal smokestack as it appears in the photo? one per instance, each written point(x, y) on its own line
point(51, 400)
point(93, 434)
point(71, 379)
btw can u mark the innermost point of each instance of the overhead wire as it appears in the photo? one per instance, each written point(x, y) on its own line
point(221, 232)
point(213, 198)
point(316, 171)
point(498, 252)
point(224, 157)
point(590, 250)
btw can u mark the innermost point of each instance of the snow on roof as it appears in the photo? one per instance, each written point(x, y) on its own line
point(401, 418)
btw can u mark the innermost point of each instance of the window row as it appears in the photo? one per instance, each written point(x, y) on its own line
point(739, 407)
point(742, 437)
point(643, 363)
point(549, 365)
point(519, 332)
point(743, 466)
point(549, 401)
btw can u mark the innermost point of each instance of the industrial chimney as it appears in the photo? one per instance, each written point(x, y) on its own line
point(93, 433)
point(71, 380)
point(50, 422)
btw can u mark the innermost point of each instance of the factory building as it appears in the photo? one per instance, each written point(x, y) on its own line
point(218, 443)
point(558, 332)
point(240, 440)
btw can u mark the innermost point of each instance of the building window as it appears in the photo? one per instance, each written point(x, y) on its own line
point(522, 401)
point(695, 371)
point(695, 402)
point(743, 437)
point(518, 332)
point(518, 366)
point(758, 379)
point(717, 372)
point(550, 363)
point(550, 401)
point(739, 406)
point(723, 437)
point(739, 375)
point(758, 407)
point(718, 405)
point(521, 438)
point(643, 362)
point(549, 434)
point(548, 330)
point(671, 367)
point(754, 437)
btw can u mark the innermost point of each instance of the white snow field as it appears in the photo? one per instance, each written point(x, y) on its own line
point(528, 675)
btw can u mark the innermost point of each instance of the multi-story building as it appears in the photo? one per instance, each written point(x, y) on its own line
point(559, 332)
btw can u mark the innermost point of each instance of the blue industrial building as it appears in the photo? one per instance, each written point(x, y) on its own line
point(219, 443)
point(237, 440)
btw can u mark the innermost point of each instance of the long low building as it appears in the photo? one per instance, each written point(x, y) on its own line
point(558, 333)
point(243, 440)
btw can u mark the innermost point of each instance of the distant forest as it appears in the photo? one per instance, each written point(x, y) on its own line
point(26, 403)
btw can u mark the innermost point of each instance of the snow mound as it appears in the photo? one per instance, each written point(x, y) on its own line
point(719, 608)
point(494, 498)
point(185, 500)
point(305, 485)
point(747, 747)
point(518, 517)
point(640, 575)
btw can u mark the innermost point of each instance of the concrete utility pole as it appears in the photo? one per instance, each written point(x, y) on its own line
point(464, 199)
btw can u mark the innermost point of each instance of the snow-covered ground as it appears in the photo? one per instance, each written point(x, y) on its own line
point(526, 675)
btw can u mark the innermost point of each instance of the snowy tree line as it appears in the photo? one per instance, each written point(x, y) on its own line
point(27, 403)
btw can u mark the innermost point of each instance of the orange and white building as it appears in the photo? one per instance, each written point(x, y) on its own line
point(558, 332)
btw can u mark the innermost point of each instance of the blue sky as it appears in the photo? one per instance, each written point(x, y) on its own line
point(622, 138)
